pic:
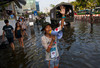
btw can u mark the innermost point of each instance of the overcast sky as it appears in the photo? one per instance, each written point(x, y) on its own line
point(46, 3)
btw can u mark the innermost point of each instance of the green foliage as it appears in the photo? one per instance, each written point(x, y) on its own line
point(98, 2)
point(26, 15)
point(40, 13)
point(75, 4)
point(97, 12)
point(5, 5)
point(3, 9)
point(48, 13)
point(91, 4)
point(80, 13)
point(51, 5)
point(32, 12)
point(85, 4)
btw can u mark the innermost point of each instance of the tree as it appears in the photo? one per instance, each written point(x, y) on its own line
point(76, 5)
point(6, 3)
point(48, 13)
point(91, 4)
point(84, 4)
point(4, 10)
point(98, 2)
point(40, 13)
point(79, 4)
point(51, 5)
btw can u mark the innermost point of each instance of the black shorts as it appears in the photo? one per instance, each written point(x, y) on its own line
point(19, 36)
point(10, 40)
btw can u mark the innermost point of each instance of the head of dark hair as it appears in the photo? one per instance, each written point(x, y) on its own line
point(18, 20)
point(44, 25)
point(17, 27)
point(6, 21)
point(22, 18)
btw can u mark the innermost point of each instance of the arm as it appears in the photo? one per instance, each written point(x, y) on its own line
point(62, 11)
point(25, 25)
point(21, 30)
point(62, 21)
point(14, 34)
point(45, 45)
point(3, 36)
point(50, 45)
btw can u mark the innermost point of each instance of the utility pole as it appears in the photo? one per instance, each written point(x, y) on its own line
point(14, 11)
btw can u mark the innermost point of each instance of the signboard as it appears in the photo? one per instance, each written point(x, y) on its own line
point(12, 16)
point(35, 13)
point(30, 16)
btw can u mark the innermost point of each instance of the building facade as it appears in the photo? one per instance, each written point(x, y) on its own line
point(37, 6)
point(30, 5)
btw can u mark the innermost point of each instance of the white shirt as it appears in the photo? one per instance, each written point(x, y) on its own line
point(60, 23)
point(23, 24)
point(70, 11)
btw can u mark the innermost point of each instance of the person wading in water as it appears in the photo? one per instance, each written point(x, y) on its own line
point(49, 42)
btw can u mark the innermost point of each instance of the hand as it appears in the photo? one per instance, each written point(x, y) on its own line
point(53, 38)
point(62, 11)
point(14, 38)
point(2, 40)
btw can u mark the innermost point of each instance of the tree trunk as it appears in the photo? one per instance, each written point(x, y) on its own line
point(4, 13)
point(14, 11)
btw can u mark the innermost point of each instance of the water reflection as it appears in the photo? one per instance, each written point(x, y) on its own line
point(79, 48)
point(68, 34)
point(80, 53)
point(18, 60)
point(91, 30)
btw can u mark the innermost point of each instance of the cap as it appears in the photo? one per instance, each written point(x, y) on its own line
point(44, 25)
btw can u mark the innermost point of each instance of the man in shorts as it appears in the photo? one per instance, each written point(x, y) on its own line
point(9, 32)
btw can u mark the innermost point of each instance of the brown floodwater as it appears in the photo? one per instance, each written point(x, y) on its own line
point(79, 48)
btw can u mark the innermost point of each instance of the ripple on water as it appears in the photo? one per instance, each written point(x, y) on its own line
point(79, 48)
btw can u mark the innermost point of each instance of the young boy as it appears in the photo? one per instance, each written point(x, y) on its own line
point(49, 42)
point(9, 32)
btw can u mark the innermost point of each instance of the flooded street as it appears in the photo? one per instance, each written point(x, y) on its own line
point(79, 48)
point(83, 46)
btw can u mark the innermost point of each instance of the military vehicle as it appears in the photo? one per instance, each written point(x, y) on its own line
point(55, 15)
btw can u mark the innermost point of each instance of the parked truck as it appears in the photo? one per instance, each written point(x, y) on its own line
point(55, 15)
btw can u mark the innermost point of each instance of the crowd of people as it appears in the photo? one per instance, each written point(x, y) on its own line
point(48, 40)
point(18, 33)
